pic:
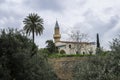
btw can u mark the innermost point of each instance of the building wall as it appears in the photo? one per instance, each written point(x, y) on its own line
point(71, 48)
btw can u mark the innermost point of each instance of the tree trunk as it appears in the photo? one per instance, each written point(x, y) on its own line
point(33, 35)
point(33, 46)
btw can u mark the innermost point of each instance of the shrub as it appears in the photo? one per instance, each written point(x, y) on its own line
point(16, 62)
point(99, 67)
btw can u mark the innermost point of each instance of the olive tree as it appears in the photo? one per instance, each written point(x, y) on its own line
point(100, 67)
point(16, 62)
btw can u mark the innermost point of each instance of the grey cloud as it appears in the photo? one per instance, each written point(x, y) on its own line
point(10, 19)
point(48, 32)
point(10, 22)
point(93, 24)
point(82, 2)
point(53, 5)
point(47, 35)
point(108, 10)
point(7, 14)
point(104, 27)
point(2, 1)
point(99, 25)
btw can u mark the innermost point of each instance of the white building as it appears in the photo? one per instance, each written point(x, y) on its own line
point(67, 47)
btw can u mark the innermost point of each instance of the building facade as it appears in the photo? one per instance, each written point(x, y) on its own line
point(68, 47)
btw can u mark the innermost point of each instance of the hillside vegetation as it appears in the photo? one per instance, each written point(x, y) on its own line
point(103, 66)
point(17, 61)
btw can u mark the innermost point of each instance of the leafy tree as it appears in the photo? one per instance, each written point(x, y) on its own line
point(51, 46)
point(99, 67)
point(16, 62)
point(33, 24)
point(43, 50)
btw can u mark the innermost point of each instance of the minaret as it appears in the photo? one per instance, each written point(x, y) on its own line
point(56, 35)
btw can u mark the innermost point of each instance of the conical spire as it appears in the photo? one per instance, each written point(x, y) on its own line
point(56, 25)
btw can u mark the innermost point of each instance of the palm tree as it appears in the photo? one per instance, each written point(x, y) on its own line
point(33, 24)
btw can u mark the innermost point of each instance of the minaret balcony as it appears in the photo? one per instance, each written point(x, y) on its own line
point(56, 35)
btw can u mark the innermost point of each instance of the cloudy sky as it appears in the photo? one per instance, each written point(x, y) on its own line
point(88, 16)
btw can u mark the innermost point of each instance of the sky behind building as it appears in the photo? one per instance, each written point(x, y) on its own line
point(88, 16)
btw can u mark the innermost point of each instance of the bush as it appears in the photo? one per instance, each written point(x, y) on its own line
point(99, 67)
point(67, 55)
point(16, 62)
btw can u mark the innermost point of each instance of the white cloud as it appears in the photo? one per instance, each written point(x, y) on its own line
point(90, 16)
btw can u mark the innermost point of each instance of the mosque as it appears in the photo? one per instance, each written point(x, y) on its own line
point(69, 47)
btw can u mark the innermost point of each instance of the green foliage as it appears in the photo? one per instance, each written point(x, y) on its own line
point(16, 62)
point(67, 55)
point(51, 47)
point(33, 24)
point(99, 67)
point(99, 51)
point(41, 70)
point(43, 50)
point(98, 48)
point(98, 42)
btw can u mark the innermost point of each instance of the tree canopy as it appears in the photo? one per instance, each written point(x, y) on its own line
point(16, 62)
point(33, 24)
point(100, 67)
point(51, 46)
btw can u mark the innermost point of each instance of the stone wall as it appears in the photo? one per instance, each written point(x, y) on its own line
point(63, 67)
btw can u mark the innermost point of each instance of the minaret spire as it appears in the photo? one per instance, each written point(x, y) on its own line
point(57, 35)
point(56, 24)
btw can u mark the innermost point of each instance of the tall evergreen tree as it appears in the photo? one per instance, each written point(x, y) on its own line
point(98, 48)
point(98, 42)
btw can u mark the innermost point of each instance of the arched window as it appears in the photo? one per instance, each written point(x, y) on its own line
point(83, 53)
point(69, 46)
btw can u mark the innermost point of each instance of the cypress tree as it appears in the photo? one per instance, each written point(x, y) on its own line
point(98, 43)
point(98, 49)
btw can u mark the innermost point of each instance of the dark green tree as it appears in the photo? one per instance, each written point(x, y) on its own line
point(98, 42)
point(16, 62)
point(33, 24)
point(98, 48)
point(99, 67)
point(51, 46)
point(14, 53)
